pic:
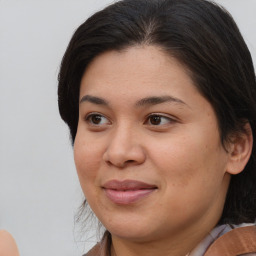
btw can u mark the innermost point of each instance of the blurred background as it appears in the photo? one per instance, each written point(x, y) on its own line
point(39, 189)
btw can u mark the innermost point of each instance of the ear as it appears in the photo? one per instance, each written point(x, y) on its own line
point(240, 149)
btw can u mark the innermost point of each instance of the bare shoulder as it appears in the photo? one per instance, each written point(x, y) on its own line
point(8, 245)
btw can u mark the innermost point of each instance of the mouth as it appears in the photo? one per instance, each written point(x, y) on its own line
point(127, 191)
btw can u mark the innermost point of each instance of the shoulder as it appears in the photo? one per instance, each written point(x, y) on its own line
point(237, 241)
point(227, 239)
point(8, 246)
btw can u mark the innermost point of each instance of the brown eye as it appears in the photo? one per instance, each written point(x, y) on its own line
point(155, 120)
point(96, 119)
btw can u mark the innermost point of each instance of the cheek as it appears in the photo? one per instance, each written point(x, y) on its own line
point(87, 160)
point(189, 160)
point(175, 159)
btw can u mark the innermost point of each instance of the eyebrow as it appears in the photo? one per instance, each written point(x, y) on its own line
point(141, 103)
point(158, 100)
point(94, 100)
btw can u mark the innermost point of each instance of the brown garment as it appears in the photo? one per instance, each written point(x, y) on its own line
point(240, 241)
point(236, 242)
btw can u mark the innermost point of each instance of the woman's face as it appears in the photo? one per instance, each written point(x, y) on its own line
point(147, 150)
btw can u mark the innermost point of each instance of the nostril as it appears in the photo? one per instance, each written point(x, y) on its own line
point(120, 164)
point(129, 161)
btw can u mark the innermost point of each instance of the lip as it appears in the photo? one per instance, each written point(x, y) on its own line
point(127, 191)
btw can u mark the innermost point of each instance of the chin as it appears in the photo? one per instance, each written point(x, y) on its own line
point(134, 230)
point(128, 229)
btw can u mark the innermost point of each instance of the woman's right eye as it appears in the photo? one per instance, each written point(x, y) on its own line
point(97, 119)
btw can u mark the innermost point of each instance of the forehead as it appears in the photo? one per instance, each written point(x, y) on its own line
point(147, 67)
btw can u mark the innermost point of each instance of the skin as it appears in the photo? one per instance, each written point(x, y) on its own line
point(182, 155)
point(8, 246)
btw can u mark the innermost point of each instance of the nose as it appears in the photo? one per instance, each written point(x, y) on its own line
point(124, 148)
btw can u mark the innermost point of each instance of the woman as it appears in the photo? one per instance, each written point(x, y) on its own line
point(8, 245)
point(159, 96)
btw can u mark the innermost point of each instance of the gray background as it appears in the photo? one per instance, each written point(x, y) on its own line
point(39, 190)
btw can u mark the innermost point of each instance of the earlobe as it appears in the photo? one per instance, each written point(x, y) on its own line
point(240, 150)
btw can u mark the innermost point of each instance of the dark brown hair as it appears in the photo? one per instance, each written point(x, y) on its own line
point(203, 37)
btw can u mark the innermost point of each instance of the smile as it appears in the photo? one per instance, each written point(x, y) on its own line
point(127, 191)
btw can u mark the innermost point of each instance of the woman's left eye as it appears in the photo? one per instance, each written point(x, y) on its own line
point(158, 120)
